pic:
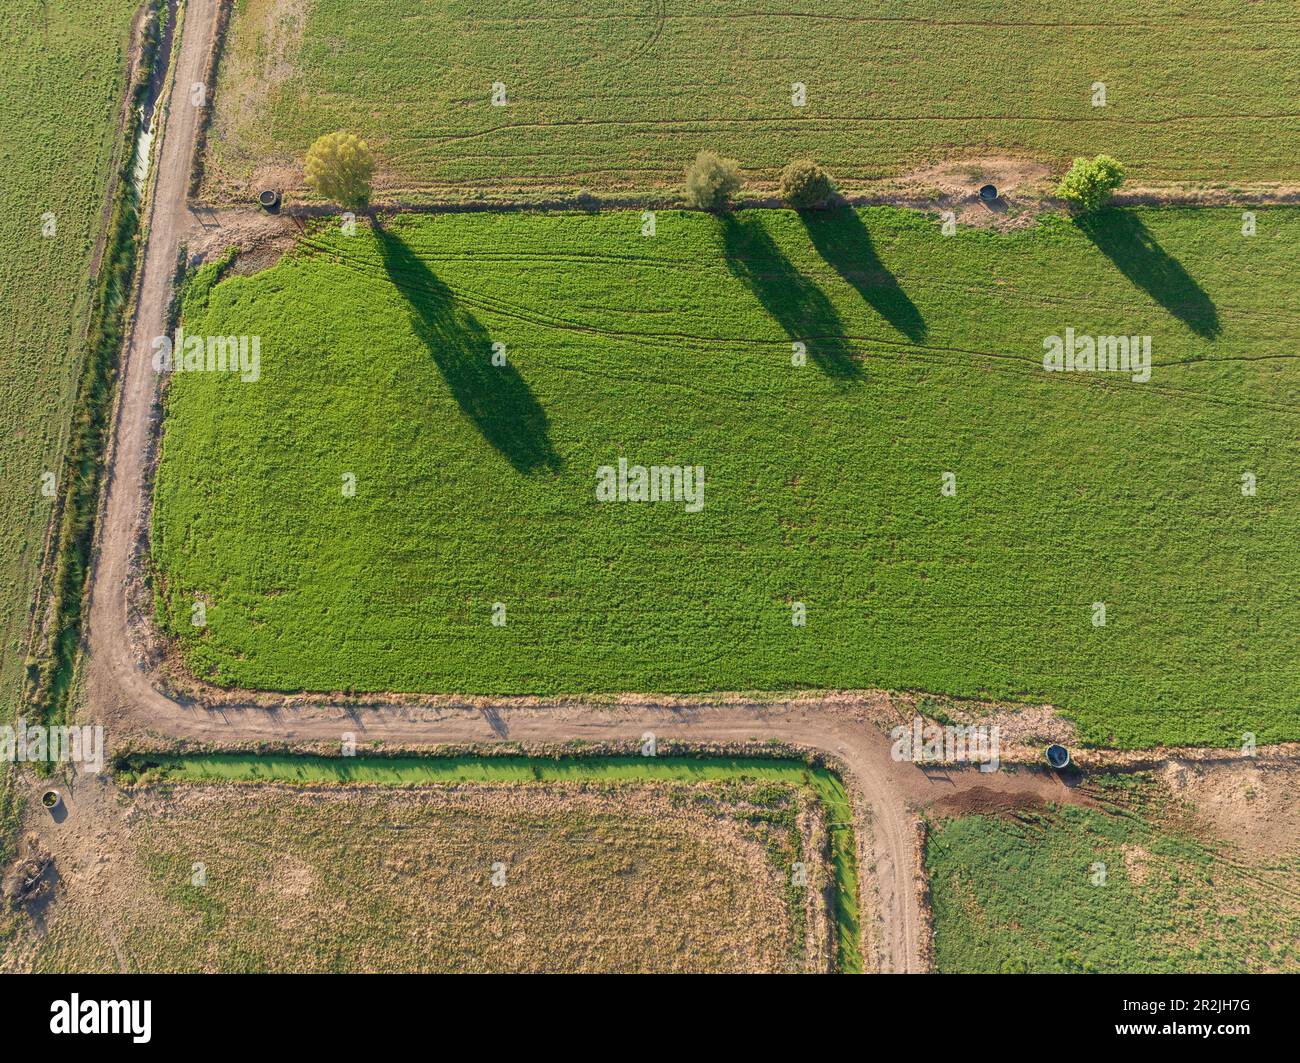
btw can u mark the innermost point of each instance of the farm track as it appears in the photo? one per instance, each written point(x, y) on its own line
point(122, 692)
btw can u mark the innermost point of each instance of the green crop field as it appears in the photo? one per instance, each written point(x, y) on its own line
point(64, 64)
point(620, 99)
point(1108, 889)
point(386, 509)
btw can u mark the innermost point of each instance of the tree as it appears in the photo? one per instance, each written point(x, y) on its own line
point(805, 185)
point(711, 181)
point(339, 167)
point(1091, 182)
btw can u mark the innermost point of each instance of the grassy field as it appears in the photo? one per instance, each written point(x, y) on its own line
point(1027, 893)
point(71, 55)
point(690, 876)
point(476, 484)
point(620, 100)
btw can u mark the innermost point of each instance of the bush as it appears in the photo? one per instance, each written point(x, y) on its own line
point(711, 181)
point(338, 168)
point(804, 185)
point(1091, 182)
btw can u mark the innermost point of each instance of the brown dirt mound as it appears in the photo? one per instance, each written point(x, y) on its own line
point(980, 800)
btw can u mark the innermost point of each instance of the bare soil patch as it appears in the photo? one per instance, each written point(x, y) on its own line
point(982, 800)
point(1138, 862)
point(1252, 805)
point(1023, 185)
point(957, 178)
point(260, 237)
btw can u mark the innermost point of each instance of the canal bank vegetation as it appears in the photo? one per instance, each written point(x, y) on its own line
point(66, 70)
point(52, 664)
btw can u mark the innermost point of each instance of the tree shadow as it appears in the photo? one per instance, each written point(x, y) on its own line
point(843, 241)
point(1122, 238)
point(801, 308)
point(495, 398)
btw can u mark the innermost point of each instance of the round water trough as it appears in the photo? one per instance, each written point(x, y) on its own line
point(51, 799)
point(270, 200)
point(989, 193)
point(1058, 756)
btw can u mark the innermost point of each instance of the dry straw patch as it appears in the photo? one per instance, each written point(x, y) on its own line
point(644, 877)
point(259, 61)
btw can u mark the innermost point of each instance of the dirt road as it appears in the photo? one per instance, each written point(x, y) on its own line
point(124, 503)
point(121, 692)
point(885, 791)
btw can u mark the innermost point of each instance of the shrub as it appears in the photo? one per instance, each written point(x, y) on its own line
point(1091, 182)
point(711, 181)
point(338, 168)
point(804, 184)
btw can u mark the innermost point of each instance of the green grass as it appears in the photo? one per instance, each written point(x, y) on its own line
point(411, 771)
point(11, 808)
point(620, 99)
point(1026, 895)
point(476, 484)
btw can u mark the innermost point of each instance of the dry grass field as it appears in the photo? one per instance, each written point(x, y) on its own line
point(255, 877)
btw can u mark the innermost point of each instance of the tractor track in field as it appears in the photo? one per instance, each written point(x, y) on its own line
point(125, 692)
point(922, 21)
point(835, 121)
point(1000, 361)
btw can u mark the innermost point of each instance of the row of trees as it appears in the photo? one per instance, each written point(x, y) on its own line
point(339, 167)
point(713, 181)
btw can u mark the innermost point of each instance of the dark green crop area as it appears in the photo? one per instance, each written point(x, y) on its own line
point(618, 97)
point(476, 484)
point(1115, 888)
